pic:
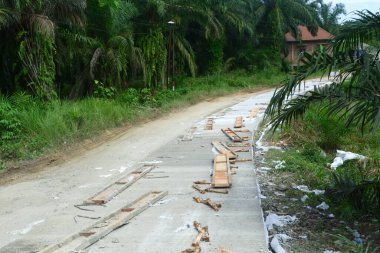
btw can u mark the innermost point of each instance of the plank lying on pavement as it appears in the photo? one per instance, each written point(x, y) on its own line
point(221, 172)
point(209, 124)
point(232, 135)
point(239, 122)
point(118, 186)
point(224, 149)
point(88, 236)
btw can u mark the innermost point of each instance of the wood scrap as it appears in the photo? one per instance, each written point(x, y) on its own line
point(222, 148)
point(109, 192)
point(88, 236)
point(244, 160)
point(202, 182)
point(239, 122)
point(241, 150)
point(214, 205)
point(221, 172)
point(243, 144)
point(196, 187)
point(253, 112)
point(210, 189)
point(244, 130)
point(232, 135)
point(209, 124)
point(203, 235)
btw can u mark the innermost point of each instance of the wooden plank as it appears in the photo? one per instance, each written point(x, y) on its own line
point(221, 173)
point(232, 135)
point(224, 149)
point(239, 122)
point(209, 124)
point(88, 236)
point(109, 192)
point(253, 113)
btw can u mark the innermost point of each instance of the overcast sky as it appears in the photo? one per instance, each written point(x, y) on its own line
point(353, 5)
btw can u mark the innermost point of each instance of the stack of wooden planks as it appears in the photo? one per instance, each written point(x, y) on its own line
point(221, 176)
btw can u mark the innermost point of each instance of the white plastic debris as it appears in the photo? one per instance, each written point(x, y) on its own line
point(276, 242)
point(331, 251)
point(304, 198)
point(262, 196)
point(279, 165)
point(259, 142)
point(306, 189)
point(163, 217)
point(105, 176)
point(342, 156)
point(274, 219)
point(338, 161)
point(323, 206)
point(331, 216)
point(27, 229)
point(152, 162)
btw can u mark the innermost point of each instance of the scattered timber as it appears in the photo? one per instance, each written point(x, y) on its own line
point(203, 235)
point(118, 186)
point(90, 235)
point(244, 130)
point(209, 124)
point(209, 189)
point(214, 205)
point(232, 135)
point(221, 172)
point(253, 112)
point(202, 182)
point(222, 148)
point(243, 144)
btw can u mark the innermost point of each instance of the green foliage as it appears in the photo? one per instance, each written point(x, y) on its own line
point(354, 188)
point(10, 130)
point(353, 92)
point(38, 68)
point(100, 91)
point(215, 53)
point(154, 52)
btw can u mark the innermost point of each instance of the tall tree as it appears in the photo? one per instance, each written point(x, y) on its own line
point(354, 92)
point(274, 18)
point(329, 15)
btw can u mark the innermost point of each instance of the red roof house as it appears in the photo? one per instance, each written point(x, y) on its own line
point(306, 42)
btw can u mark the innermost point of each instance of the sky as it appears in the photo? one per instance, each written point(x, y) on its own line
point(353, 5)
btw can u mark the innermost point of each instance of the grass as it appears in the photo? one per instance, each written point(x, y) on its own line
point(30, 128)
point(354, 188)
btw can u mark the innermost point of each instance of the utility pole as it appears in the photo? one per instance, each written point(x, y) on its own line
point(170, 60)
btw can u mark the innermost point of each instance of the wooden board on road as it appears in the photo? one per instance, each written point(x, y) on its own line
point(232, 135)
point(88, 236)
point(118, 186)
point(239, 122)
point(221, 173)
point(224, 149)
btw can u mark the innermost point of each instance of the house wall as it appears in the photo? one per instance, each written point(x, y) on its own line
point(295, 48)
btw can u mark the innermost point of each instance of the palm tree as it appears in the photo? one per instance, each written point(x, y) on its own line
point(28, 30)
point(328, 15)
point(274, 18)
point(354, 93)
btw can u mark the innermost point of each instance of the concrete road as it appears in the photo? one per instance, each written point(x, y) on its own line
point(40, 212)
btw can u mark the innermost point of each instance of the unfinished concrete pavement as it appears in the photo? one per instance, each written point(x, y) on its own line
point(40, 212)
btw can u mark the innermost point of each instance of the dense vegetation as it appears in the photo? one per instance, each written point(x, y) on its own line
point(344, 114)
point(72, 48)
point(122, 59)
